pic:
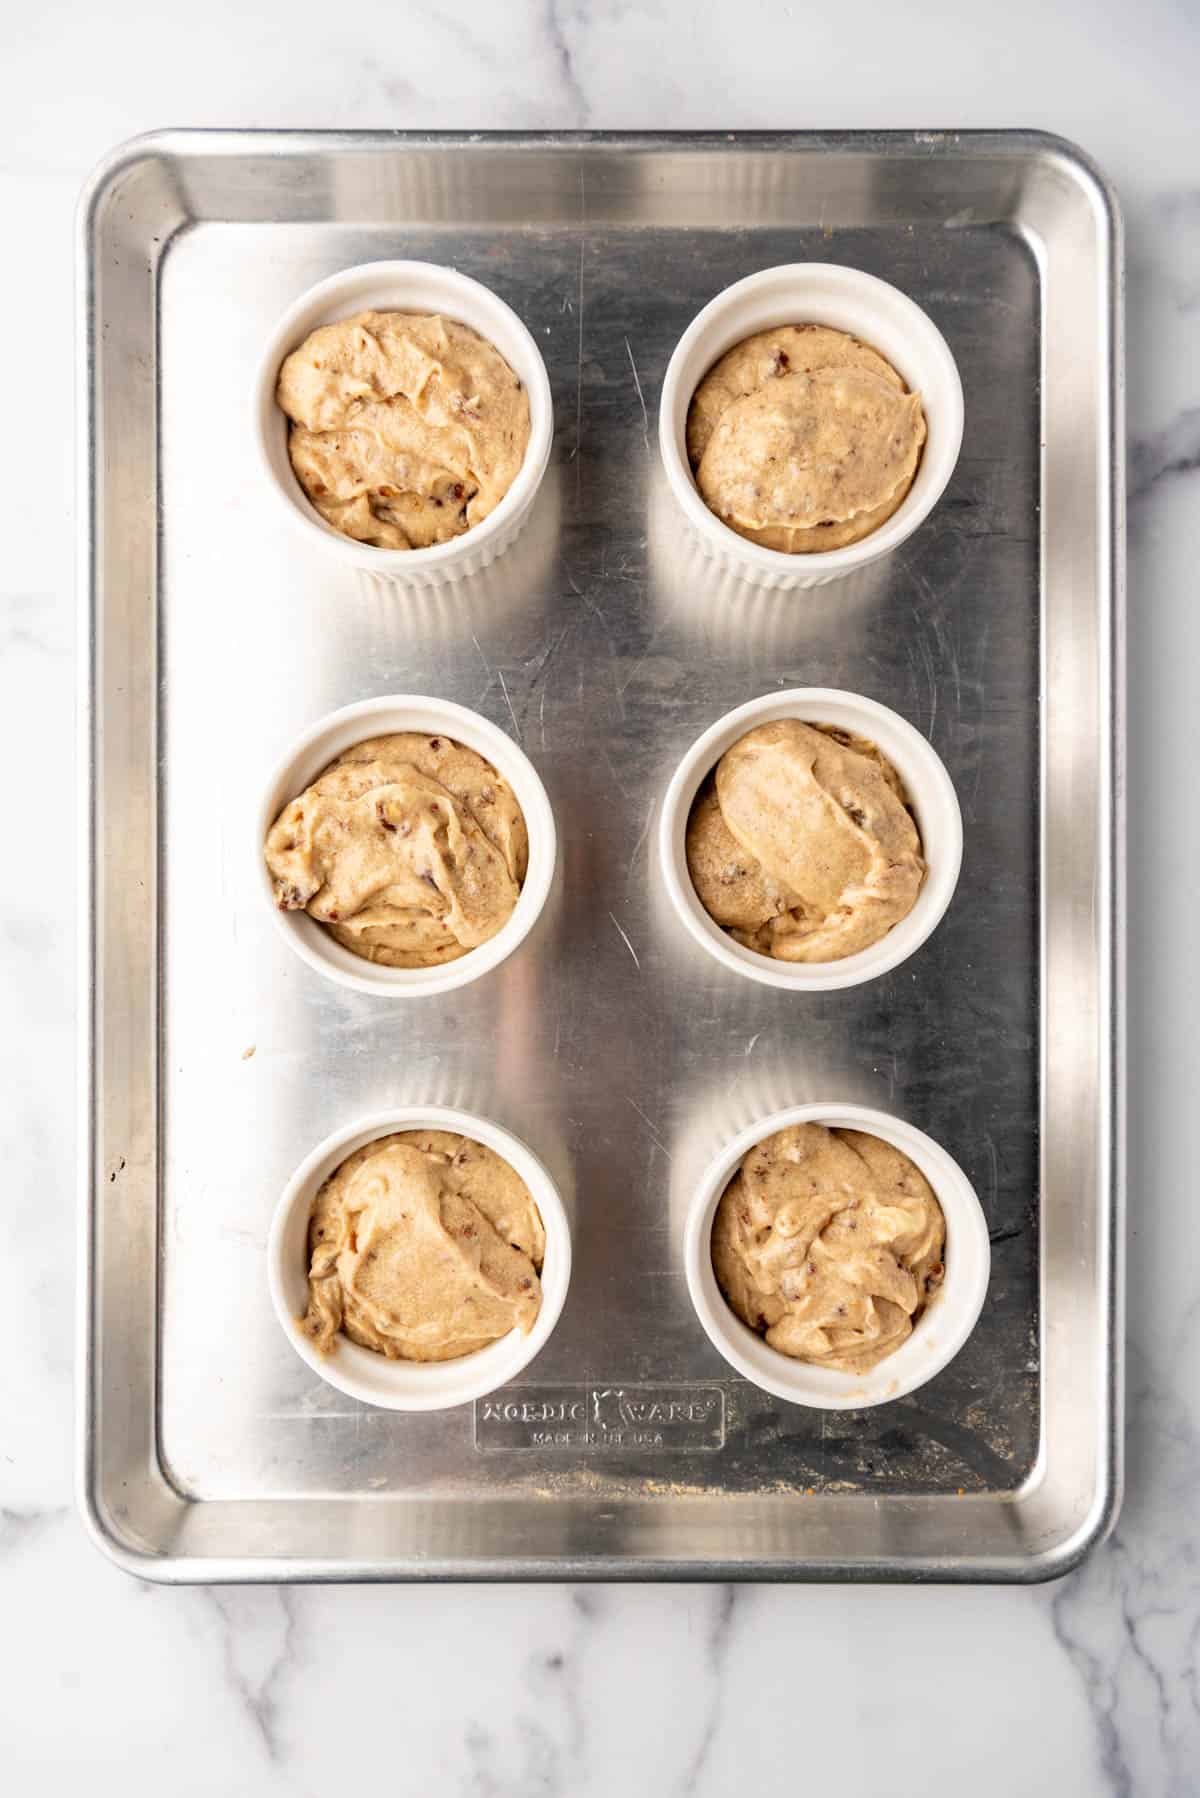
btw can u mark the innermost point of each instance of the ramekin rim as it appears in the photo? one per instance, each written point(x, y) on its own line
point(800, 1382)
point(394, 563)
point(331, 960)
point(304, 1184)
point(866, 964)
point(889, 535)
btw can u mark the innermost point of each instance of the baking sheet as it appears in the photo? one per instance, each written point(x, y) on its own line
point(609, 1042)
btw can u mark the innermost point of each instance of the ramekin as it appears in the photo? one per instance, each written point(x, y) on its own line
point(815, 293)
point(938, 1333)
point(320, 745)
point(362, 1373)
point(931, 796)
point(422, 287)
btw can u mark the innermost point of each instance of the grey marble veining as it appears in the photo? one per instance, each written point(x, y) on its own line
point(1089, 1687)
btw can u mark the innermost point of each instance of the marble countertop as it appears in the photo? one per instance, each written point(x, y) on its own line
point(1092, 1685)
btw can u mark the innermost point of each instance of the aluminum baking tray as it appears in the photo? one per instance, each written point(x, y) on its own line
point(609, 1042)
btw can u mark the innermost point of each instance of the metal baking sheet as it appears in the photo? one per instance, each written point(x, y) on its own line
point(609, 1042)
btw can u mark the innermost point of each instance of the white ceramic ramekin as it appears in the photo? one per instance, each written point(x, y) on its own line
point(814, 293)
point(930, 794)
point(421, 287)
point(321, 744)
point(360, 1372)
point(938, 1333)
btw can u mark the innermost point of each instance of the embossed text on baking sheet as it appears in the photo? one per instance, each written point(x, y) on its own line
point(650, 1418)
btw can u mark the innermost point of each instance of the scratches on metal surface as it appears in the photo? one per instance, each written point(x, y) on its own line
point(930, 676)
point(993, 1173)
point(577, 590)
point(508, 702)
point(949, 655)
point(890, 1073)
point(542, 665)
point(614, 769)
point(650, 1127)
point(498, 674)
point(641, 397)
point(539, 678)
point(642, 835)
point(574, 456)
point(624, 938)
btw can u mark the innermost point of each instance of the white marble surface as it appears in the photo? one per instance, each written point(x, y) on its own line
point(1090, 1686)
